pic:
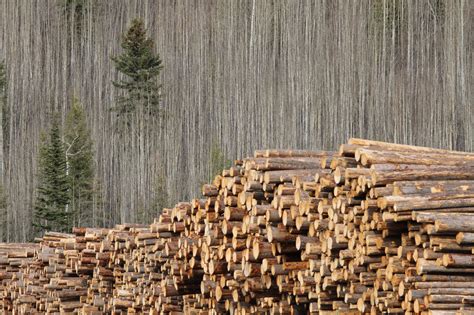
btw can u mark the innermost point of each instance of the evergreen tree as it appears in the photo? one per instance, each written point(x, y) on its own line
point(80, 168)
point(51, 208)
point(140, 67)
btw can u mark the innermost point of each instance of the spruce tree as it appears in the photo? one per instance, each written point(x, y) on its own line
point(51, 208)
point(140, 68)
point(80, 168)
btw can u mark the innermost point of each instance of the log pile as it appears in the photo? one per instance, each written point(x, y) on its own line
point(12, 258)
point(55, 281)
point(373, 228)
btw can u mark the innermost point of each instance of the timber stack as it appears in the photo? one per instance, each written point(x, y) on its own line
point(12, 258)
point(375, 228)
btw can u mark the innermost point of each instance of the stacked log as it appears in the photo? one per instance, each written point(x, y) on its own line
point(106, 264)
point(12, 258)
point(30, 291)
point(55, 278)
point(374, 228)
point(410, 193)
point(224, 248)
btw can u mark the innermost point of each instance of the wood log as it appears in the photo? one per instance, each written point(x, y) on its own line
point(285, 231)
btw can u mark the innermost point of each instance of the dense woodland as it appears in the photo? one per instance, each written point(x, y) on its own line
point(236, 76)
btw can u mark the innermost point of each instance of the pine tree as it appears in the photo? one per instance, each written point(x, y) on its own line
point(140, 67)
point(80, 168)
point(51, 208)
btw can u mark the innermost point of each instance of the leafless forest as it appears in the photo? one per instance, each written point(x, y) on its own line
point(239, 74)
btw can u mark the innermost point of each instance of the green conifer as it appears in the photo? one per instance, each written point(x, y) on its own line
point(51, 207)
point(140, 67)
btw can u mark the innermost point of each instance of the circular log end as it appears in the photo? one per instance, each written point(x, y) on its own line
point(211, 267)
point(357, 154)
point(447, 260)
point(218, 293)
point(269, 233)
point(228, 254)
point(338, 175)
point(298, 241)
point(360, 305)
point(235, 295)
point(255, 250)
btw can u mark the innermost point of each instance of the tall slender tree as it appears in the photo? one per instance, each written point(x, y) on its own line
point(4, 116)
point(53, 196)
point(80, 166)
point(3, 199)
point(140, 68)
